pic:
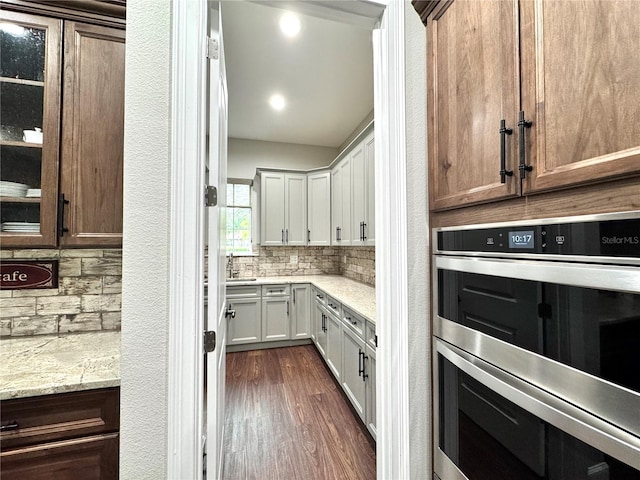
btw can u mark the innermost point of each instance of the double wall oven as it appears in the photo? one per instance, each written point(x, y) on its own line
point(537, 349)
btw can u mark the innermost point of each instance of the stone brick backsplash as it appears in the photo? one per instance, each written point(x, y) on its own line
point(88, 297)
point(357, 263)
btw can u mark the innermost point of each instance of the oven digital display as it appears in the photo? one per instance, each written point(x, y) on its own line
point(522, 239)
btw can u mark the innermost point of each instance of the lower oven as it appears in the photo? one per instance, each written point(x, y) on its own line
point(537, 349)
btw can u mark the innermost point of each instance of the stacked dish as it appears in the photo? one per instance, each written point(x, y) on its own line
point(13, 189)
point(34, 193)
point(24, 227)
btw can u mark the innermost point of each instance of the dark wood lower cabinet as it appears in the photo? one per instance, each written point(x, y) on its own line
point(65, 436)
point(86, 458)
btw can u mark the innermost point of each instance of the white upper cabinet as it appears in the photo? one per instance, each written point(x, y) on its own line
point(283, 208)
point(319, 209)
point(295, 194)
point(358, 193)
point(341, 202)
point(369, 229)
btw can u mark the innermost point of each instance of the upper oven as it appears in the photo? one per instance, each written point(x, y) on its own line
point(537, 349)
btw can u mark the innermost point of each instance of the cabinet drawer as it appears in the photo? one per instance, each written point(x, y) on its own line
point(319, 296)
point(275, 290)
point(58, 417)
point(334, 306)
point(354, 321)
point(371, 337)
point(243, 291)
point(87, 458)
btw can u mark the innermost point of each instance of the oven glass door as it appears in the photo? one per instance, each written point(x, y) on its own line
point(593, 330)
point(481, 435)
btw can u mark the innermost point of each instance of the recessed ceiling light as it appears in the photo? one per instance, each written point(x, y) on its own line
point(290, 24)
point(277, 101)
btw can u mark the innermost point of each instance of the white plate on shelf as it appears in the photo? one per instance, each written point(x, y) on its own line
point(4, 183)
point(34, 193)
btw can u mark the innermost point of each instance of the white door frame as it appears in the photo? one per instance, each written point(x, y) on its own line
point(184, 454)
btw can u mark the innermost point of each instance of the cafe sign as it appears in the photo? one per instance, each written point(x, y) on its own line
point(24, 274)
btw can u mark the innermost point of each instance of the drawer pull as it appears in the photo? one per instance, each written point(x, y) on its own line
point(12, 425)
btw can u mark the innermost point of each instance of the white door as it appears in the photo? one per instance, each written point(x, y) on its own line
point(216, 320)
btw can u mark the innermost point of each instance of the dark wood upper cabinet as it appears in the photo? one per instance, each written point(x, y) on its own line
point(472, 86)
point(29, 100)
point(93, 134)
point(581, 78)
point(80, 151)
point(569, 70)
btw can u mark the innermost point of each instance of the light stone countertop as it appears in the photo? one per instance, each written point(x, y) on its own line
point(42, 365)
point(354, 295)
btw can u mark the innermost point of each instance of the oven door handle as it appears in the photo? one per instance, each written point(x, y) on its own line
point(573, 420)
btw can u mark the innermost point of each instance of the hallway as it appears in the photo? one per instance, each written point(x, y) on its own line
point(287, 419)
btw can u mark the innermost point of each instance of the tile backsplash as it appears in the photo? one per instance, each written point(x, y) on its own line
point(357, 263)
point(88, 297)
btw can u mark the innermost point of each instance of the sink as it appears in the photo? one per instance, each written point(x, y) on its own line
point(235, 280)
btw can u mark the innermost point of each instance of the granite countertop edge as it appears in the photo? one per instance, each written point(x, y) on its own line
point(352, 294)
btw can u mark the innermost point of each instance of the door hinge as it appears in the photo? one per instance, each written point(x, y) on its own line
point(210, 196)
point(213, 49)
point(209, 341)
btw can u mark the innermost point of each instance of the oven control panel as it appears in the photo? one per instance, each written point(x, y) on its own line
point(613, 238)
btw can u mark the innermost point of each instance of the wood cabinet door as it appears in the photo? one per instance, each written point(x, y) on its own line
point(473, 82)
point(86, 458)
point(93, 134)
point(29, 98)
point(581, 78)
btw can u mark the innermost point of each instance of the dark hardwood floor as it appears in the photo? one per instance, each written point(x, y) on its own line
point(287, 419)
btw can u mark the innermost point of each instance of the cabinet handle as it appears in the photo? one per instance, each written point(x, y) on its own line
point(287, 308)
point(230, 312)
point(286, 235)
point(504, 131)
point(294, 296)
point(364, 235)
point(12, 425)
point(282, 234)
point(375, 339)
point(364, 367)
point(61, 203)
point(360, 367)
point(523, 167)
point(308, 235)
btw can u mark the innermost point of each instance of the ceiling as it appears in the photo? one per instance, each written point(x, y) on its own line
point(325, 74)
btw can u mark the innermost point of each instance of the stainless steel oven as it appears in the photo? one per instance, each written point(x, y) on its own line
point(537, 349)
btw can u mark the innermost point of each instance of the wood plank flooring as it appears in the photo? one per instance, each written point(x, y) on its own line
point(286, 419)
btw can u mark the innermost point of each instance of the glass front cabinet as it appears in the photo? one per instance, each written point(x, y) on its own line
point(29, 128)
point(61, 132)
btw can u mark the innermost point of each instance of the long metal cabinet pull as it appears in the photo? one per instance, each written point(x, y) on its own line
point(364, 367)
point(282, 233)
point(364, 234)
point(360, 369)
point(308, 235)
point(523, 167)
point(504, 131)
point(287, 308)
point(286, 235)
point(61, 203)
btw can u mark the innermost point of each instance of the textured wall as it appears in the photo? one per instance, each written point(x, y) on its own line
point(145, 277)
point(357, 263)
point(87, 299)
point(420, 458)
point(245, 156)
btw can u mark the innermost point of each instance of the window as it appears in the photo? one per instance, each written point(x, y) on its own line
point(239, 217)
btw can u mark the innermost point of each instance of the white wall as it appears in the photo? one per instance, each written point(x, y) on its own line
point(246, 155)
point(145, 279)
point(418, 248)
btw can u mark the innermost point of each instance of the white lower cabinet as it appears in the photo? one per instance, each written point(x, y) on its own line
point(370, 389)
point(333, 328)
point(353, 381)
point(300, 308)
point(245, 327)
point(275, 318)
